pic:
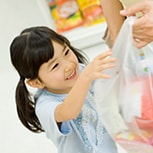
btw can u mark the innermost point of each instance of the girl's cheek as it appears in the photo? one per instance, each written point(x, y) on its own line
point(59, 75)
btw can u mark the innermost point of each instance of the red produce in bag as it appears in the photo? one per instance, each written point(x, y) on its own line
point(125, 102)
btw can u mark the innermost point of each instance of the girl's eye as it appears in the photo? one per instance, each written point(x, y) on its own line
point(67, 52)
point(55, 66)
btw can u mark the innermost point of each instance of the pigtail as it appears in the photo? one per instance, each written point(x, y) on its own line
point(26, 108)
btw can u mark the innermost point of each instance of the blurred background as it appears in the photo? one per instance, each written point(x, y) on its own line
point(16, 15)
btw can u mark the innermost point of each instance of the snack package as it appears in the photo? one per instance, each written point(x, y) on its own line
point(66, 14)
point(125, 102)
point(91, 11)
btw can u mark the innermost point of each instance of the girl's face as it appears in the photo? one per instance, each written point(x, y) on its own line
point(59, 74)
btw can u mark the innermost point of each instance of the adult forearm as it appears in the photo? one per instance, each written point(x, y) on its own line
point(111, 9)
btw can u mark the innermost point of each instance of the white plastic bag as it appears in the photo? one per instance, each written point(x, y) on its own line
point(125, 102)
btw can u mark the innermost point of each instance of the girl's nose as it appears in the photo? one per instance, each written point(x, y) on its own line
point(69, 67)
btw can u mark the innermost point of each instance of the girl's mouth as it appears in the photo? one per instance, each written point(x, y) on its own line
point(71, 76)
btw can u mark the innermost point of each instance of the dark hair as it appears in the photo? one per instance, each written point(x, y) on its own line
point(28, 52)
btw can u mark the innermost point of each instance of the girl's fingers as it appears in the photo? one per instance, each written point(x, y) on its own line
point(104, 76)
point(107, 60)
point(106, 63)
point(102, 62)
point(104, 55)
point(106, 66)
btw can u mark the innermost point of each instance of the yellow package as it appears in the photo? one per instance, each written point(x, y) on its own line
point(91, 11)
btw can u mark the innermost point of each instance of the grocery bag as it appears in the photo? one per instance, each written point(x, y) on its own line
point(125, 101)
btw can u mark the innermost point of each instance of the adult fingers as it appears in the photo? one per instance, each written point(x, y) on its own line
point(139, 43)
point(132, 10)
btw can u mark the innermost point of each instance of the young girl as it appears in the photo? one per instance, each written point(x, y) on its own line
point(63, 106)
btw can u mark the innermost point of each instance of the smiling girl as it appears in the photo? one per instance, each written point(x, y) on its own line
point(63, 106)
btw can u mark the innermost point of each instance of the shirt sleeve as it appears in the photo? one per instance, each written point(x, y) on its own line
point(45, 112)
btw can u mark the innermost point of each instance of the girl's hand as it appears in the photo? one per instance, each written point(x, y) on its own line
point(72, 105)
point(94, 70)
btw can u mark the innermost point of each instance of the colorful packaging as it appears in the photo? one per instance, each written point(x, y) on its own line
point(91, 11)
point(66, 14)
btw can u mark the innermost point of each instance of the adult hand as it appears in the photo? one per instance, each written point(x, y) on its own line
point(143, 26)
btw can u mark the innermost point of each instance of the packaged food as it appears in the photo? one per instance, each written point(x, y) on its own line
point(91, 11)
point(66, 14)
